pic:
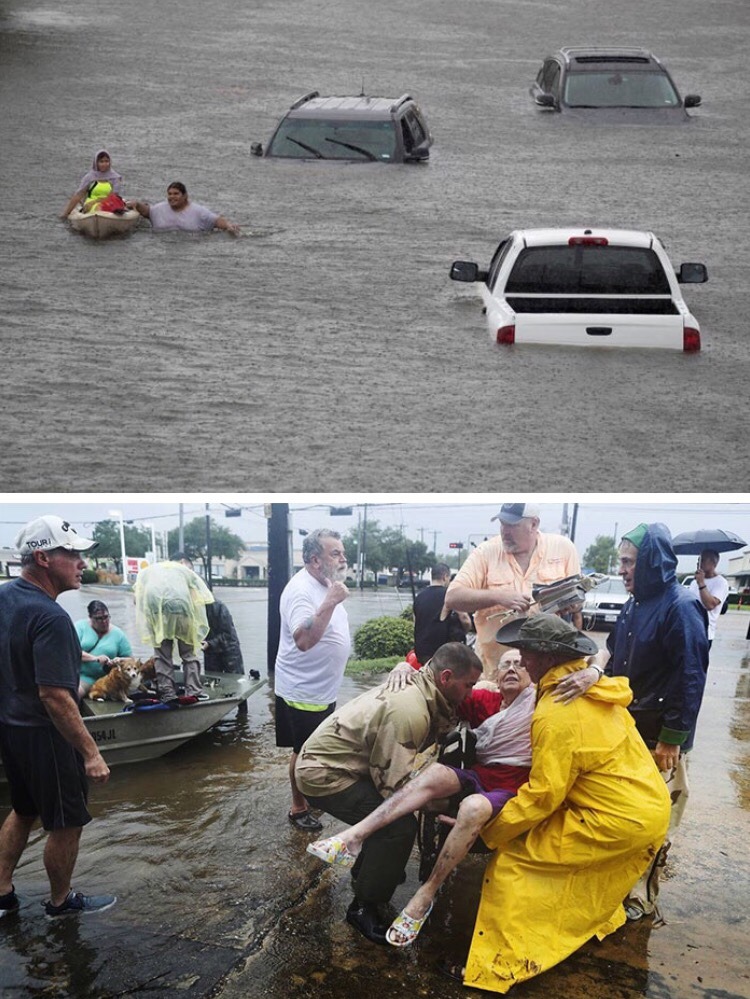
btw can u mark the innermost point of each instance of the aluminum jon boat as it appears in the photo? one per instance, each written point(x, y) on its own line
point(134, 736)
point(101, 225)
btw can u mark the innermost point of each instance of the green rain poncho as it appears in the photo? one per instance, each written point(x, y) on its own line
point(170, 602)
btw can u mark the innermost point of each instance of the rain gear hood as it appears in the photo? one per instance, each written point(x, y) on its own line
point(170, 602)
point(660, 643)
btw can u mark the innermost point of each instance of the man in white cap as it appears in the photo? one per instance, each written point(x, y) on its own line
point(500, 573)
point(48, 754)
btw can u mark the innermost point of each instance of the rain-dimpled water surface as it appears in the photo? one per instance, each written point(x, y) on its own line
point(326, 348)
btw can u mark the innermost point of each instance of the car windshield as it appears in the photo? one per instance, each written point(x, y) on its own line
point(607, 89)
point(333, 139)
point(588, 270)
point(611, 585)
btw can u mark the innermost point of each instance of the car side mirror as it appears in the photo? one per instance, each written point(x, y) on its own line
point(465, 270)
point(692, 101)
point(545, 100)
point(256, 148)
point(692, 274)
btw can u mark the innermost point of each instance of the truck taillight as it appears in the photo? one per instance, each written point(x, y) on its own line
point(691, 340)
point(588, 241)
point(506, 334)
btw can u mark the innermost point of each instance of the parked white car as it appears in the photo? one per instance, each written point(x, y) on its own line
point(603, 605)
point(586, 287)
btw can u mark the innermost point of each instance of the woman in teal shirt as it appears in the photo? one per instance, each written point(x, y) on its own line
point(101, 641)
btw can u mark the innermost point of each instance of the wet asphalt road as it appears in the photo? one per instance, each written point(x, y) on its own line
point(327, 349)
point(219, 899)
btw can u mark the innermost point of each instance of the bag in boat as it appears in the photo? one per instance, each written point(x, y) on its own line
point(113, 203)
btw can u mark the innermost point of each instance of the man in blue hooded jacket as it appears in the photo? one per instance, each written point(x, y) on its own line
point(660, 644)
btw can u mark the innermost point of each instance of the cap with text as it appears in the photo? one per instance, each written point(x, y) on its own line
point(48, 532)
point(511, 513)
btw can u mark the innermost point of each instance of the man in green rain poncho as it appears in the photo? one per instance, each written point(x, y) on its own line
point(170, 606)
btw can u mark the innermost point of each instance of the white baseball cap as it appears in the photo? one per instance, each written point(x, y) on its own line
point(48, 532)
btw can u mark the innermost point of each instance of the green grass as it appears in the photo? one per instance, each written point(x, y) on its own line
point(361, 667)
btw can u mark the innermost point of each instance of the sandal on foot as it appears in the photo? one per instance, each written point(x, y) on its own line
point(333, 851)
point(407, 926)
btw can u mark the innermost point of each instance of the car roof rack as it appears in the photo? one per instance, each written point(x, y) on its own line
point(401, 100)
point(303, 100)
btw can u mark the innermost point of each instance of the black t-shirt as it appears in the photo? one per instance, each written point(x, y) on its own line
point(38, 647)
point(429, 631)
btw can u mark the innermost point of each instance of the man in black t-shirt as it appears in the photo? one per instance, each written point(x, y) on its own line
point(47, 751)
point(429, 631)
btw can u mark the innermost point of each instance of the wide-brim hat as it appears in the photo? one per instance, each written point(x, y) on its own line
point(546, 633)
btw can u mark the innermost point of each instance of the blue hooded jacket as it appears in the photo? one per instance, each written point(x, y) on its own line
point(660, 643)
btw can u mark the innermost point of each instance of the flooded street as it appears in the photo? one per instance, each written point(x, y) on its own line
point(219, 899)
point(173, 362)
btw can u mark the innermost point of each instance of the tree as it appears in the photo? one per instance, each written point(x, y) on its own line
point(224, 544)
point(107, 533)
point(405, 555)
point(602, 555)
point(387, 548)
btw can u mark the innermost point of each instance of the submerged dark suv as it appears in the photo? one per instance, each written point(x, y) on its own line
point(360, 129)
point(612, 84)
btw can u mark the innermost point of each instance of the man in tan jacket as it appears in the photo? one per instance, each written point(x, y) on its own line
point(366, 751)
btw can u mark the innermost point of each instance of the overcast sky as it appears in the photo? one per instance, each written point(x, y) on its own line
point(433, 518)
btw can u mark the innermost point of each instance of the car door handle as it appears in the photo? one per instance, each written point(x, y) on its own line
point(598, 330)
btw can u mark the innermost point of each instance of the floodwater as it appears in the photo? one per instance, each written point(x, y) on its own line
point(219, 899)
point(304, 355)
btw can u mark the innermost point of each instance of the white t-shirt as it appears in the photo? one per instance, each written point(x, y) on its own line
point(718, 587)
point(192, 218)
point(312, 677)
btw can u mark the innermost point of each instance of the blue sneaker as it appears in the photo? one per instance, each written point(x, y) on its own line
point(8, 903)
point(78, 902)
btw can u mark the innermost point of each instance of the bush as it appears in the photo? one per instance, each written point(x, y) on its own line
point(382, 637)
point(408, 613)
point(89, 576)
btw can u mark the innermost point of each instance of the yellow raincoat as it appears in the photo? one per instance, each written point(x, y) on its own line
point(575, 839)
point(170, 602)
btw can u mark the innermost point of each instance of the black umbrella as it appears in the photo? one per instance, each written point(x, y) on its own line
point(694, 542)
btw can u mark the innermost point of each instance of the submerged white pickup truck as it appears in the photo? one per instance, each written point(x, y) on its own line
point(586, 287)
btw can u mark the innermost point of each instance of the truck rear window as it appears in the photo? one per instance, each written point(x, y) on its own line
point(587, 270)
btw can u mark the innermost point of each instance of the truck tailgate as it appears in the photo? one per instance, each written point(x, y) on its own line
point(600, 330)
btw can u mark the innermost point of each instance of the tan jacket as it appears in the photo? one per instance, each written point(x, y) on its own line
point(376, 736)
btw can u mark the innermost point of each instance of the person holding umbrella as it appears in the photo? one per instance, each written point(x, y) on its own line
point(708, 586)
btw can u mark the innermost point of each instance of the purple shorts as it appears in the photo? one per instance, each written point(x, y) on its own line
point(471, 784)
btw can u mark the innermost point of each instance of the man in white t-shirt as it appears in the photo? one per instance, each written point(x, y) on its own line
point(314, 647)
point(178, 212)
point(710, 588)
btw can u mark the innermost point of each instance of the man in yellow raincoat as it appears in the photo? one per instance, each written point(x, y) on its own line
point(170, 606)
point(579, 834)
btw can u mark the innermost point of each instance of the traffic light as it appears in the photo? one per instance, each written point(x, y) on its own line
point(233, 512)
point(341, 511)
point(456, 544)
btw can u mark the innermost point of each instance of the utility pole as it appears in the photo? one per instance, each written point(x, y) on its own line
point(279, 572)
point(574, 522)
point(434, 541)
point(363, 554)
point(209, 581)
point(181, 534)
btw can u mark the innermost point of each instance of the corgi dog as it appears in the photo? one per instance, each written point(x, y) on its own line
point(125, 677)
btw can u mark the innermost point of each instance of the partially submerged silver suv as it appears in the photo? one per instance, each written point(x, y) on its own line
point(360, 129)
